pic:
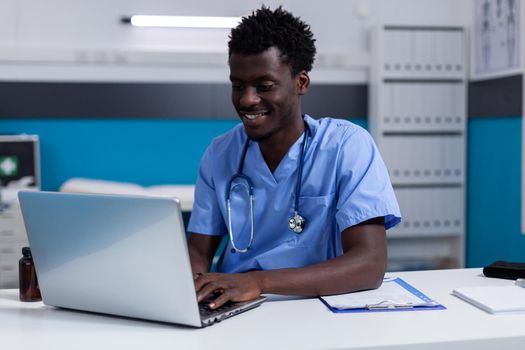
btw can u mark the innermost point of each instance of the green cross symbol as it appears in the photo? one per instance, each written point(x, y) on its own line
point(8, 166)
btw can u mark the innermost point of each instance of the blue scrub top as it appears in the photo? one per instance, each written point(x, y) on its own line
point(344, 182)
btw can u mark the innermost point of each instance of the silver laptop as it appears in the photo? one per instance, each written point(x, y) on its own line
point(120, 255)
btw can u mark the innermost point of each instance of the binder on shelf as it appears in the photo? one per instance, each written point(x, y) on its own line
point(405, 49)
point(422, 50)
point(430, 211)
point(391, 52)
point(458, 52)
point(394, 295)
point(424, 159)
point(423, 106)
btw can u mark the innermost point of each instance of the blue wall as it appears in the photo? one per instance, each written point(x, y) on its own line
point(168, 151)
point(146, 152)
point(494, 191)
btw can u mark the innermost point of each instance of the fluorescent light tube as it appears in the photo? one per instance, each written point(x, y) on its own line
point(184, 21)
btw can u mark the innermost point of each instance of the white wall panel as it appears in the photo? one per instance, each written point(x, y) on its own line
point(8, 22)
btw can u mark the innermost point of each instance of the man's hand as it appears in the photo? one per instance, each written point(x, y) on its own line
point(234, 287)
point(361, 266)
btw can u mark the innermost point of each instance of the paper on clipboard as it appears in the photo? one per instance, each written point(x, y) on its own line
point(393, 294)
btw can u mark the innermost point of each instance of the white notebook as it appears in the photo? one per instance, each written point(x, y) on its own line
point(494, 299)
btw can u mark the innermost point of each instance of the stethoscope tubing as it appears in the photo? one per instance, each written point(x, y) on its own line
point(246, 178)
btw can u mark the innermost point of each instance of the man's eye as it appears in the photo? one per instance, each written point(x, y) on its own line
point(265, 87)
point(236, 87)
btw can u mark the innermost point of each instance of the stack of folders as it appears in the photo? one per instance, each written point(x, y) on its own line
point(494, 299)
point(394, 295)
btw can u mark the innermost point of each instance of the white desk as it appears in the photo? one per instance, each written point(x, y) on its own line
point(289, 324)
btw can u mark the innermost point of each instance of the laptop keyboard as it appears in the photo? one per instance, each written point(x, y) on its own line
point(230, 308)
point(205, 311)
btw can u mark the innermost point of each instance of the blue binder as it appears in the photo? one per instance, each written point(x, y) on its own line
point(427, 303)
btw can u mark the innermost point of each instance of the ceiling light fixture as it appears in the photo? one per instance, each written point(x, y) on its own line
point(182, 21)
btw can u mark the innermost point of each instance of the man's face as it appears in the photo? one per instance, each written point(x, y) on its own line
point(265, 94)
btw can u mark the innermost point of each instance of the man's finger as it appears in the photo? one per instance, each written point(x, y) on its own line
point(207, 290)
point(203, 279)
point(219, 301)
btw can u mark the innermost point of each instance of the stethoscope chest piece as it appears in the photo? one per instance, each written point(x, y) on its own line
point(296, 223)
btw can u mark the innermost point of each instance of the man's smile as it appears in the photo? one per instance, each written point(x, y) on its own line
point(253, 115)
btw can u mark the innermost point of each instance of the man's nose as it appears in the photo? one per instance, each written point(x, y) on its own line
point(249, 97)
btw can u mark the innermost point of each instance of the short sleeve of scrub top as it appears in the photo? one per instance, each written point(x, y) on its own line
point(206, 217)
point(364, 187)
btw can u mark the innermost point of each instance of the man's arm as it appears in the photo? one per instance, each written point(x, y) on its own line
point(202, 248)
point(362, 266)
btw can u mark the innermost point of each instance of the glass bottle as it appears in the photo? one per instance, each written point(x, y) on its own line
point(29, 290)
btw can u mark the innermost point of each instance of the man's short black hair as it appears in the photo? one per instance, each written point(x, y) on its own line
point(265, 28)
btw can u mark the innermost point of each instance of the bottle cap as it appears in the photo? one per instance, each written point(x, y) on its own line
point(26, 251)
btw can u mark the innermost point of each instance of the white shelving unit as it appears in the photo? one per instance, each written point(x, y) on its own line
point(417, 115)
point(24, 150)
point(12, 238)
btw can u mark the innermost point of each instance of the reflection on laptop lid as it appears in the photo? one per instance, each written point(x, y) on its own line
point(121, 255)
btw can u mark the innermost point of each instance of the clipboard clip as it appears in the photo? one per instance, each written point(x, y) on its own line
point(388, 304)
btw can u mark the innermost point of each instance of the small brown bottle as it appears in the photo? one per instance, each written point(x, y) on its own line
point(29, 290)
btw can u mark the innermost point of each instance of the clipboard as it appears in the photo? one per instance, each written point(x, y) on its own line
point(394, 295)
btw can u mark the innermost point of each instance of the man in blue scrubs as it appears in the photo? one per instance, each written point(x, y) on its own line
point(327, 173)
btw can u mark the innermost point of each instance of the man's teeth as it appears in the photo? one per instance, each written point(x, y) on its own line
point(253, 116)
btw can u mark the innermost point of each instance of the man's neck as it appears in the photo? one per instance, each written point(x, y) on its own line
point(275, 148)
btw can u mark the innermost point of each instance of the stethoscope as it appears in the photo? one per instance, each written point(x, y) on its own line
point(296, 223)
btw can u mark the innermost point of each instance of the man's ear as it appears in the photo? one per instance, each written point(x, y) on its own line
point(302, 82)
